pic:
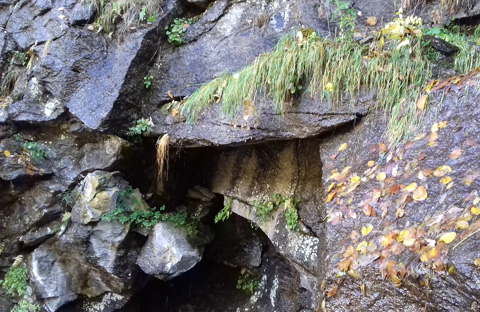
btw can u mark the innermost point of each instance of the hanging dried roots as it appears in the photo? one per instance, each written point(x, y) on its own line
point(162, 160)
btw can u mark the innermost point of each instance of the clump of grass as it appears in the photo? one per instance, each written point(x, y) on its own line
point(446, 5)
point(10, 79)
point(333, 70)
point(109, 13)
point(456, 5)
point(468, 55)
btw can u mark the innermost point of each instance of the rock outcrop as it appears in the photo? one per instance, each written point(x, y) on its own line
point(377, 226)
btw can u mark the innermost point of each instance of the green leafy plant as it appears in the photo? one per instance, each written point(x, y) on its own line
point(152, 18)
point(147, 81)
point(145, 17)
point(177, 29)
point(68, 197)
point(123, 213)
point(142, 127)
point(291, 213)
point(15, 281)
point(25, 305)
point(246, 282)
point(263, 210)
point(21, 58)
point(346, 17)
point(34, 151)
point(226, 211)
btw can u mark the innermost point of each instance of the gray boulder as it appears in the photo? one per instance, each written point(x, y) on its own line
point(168, 252)
point(93, 257)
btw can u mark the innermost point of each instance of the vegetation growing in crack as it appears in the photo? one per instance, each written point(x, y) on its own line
point(131, 12)
point(395, 68)
point(124, 213)
point(177, 29)
point(15, 281)
point(142, 127)
point(247, 282)
point(19, 62)
point(15, 284)
point(291, 213)
point(26, 305)
point(147, 81)
point(34, 151)
point(265, 209)
point(68, 197)
point(226, 211)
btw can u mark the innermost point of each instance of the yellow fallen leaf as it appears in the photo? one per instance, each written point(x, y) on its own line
point(442, 124)
point(381, 176)
point(434, 127)
point(331, 187)
point(342, 147)
point(462, 225)
point(367, 229)
point(456, 153)
point(412, 187)
point(449, 185)
point(442, 171)
point(7, 153)
point(403, 234)
point(422, 102)
point(424, 257)
point(447, 238)
point(371, 163)
point(362, 247)
point(345, 264)
point(420, 193)
point(331, 196)
point(420, 136)
point(475, 211)
point(433, 253)
point(355, 179)
point(445, 180)
point(477, 262)
point(431, 85)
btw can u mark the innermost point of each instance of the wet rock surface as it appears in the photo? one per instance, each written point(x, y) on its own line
point(65, 163)
point(428, 273)
point(168, 253)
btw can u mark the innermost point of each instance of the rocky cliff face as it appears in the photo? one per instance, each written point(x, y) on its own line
point(321, 213)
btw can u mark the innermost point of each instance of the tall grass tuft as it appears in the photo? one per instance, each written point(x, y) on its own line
point(110, 12)
point(331, 69)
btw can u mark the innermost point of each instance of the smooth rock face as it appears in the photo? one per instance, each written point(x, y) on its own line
point(168, 253)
